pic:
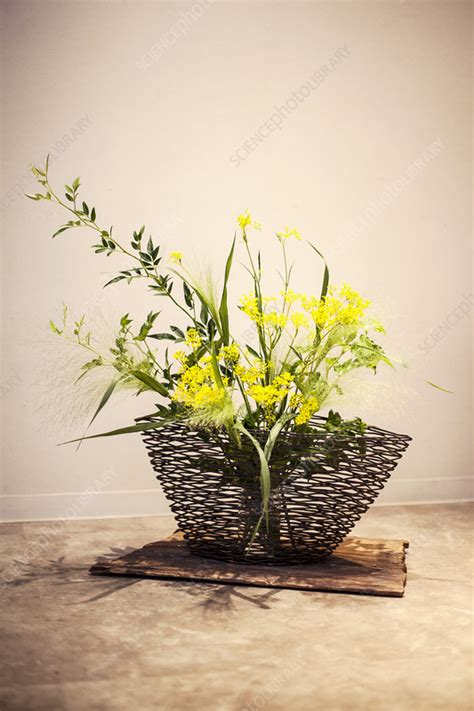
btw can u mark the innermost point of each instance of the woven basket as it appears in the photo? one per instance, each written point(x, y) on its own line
point(321, 484)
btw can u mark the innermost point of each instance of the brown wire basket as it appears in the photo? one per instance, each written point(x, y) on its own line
point(321, 484)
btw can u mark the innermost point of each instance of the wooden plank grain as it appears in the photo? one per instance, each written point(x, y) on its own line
point(359, 565)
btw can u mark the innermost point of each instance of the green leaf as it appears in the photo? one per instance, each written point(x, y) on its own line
point(163, 336)
point(297, 353)
point(188, 296)
point(85, 208)
point(438, 387)
point(61, 229)
point(115, 279)
point(37, 172)
point(54, 328)
point(178, 331)
point(93, 214)
point(273, 434)
point(265, 480)
point(76, 183)
point(204, 316)
point(324, 288)
point(122, 430)
point(223, 309)
point(146, 327)
point(215, 367)
point(105, 399)
point(255, 531)
point(253, 351)
point(150, 382)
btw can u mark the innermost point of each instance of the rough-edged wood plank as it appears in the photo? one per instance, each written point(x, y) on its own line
point(360, 565)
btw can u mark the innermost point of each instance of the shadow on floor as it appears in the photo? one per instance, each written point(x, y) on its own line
point(211, 598)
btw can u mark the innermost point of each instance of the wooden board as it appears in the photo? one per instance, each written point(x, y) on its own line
point(366, 566)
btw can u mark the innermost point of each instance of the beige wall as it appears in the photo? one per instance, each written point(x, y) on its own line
point(152, 104)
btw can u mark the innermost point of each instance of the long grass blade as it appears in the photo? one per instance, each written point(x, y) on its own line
point(324, 288)
point(265, 481)
point(215, 367)
point(223, 308)
point(104, 400)
point(150, 382)
point(122, 430)
point(438, 387)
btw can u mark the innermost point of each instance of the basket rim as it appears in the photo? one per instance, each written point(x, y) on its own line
point(315, 420)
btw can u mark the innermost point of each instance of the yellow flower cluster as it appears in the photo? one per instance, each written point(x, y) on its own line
point(290, 296)
point(245, 220)
point(196, 387)
point(249, 305)
point(267, 396)
point(307, 407)
point(193, 339)
point(289, 232)
point(176, 257)
point(230, 354)
point(251, 374)
point(345, 308)
point(299, 320)
point(295, 400)
point(274, 318)
point(180, 356)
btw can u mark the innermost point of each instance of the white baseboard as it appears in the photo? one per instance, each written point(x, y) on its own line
point(151, 502)
point(425, 491)
point(83, 505)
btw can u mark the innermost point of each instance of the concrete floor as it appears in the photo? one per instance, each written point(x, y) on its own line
point(75, 642)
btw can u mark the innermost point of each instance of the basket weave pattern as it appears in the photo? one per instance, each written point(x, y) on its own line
point(321, 485)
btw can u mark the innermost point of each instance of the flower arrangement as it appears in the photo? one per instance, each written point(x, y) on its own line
point(206, 377)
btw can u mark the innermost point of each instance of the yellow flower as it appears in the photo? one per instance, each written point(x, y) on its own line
point(269, 395)
point(245, 220)
point(193, 339)
point(274, 318)
point(344, 306)
point(295, 400)
point(249, 305)
point(309, 303)
point(231, 354)
point(251, 374)
point(289, 232)
point(299, 320)
point(191, 383)
point(289, 296)
point(210, 405)
point(307, 409)
point(176, 257)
